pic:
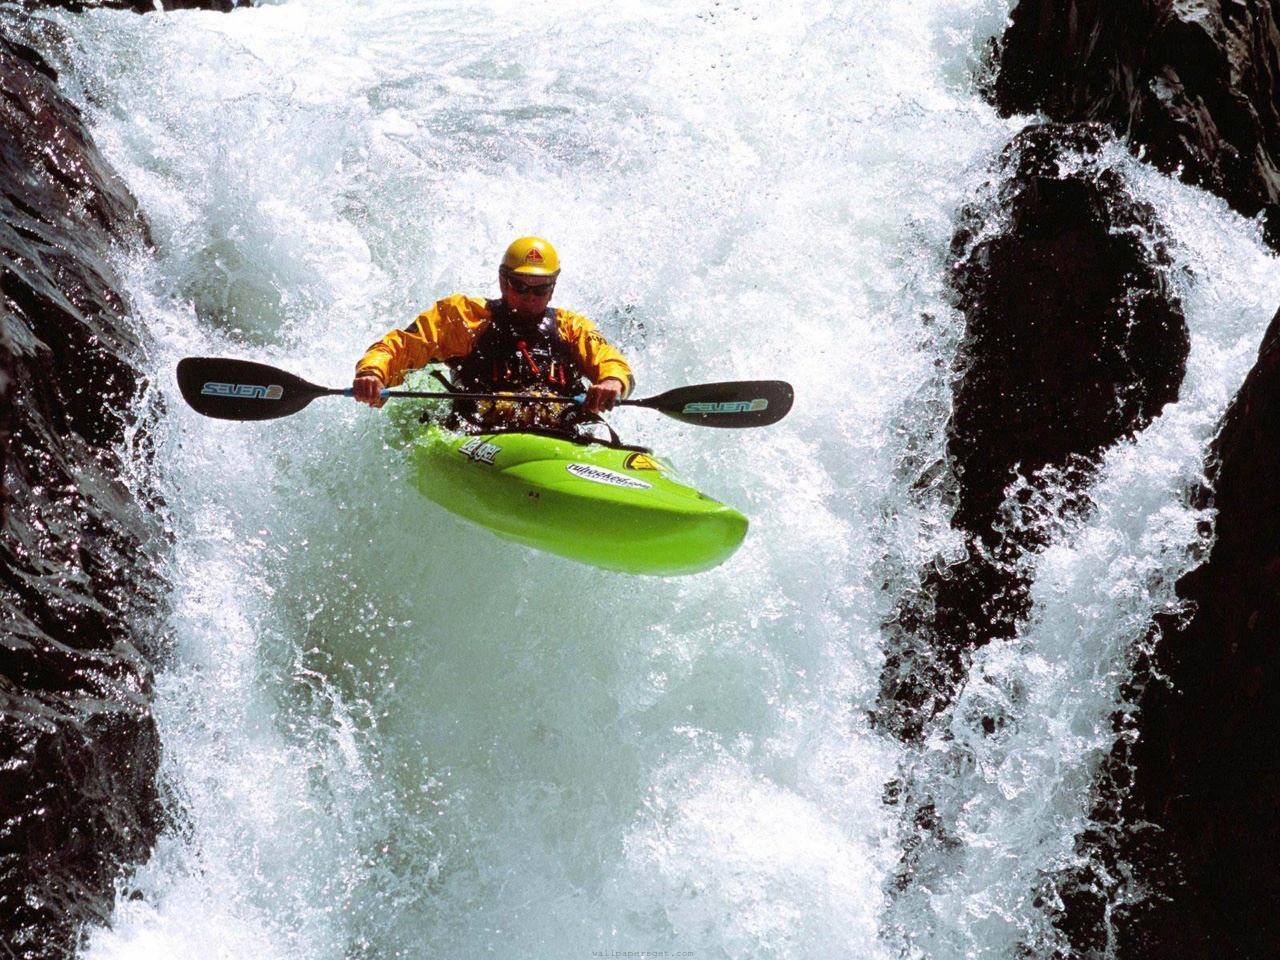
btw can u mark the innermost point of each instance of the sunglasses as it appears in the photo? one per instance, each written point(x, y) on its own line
point(521, 286)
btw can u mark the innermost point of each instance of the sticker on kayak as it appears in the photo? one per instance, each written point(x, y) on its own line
point(728, 406)
point(601, 475)
point(247, 391)
point(481, 451)
point(640, 461)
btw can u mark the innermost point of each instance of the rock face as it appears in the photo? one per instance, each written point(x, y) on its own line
point(1193, 84)
point(1207, 763)
point(147, 6)
point(1185, 849)
point(1072, 341)
point(1182, 859)
point(78, 747)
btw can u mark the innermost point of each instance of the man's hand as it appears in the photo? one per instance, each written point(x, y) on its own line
point(604, 395)
point(368, 389)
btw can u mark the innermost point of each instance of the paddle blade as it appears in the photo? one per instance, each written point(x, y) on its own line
point(242, 390)
point(737, 403)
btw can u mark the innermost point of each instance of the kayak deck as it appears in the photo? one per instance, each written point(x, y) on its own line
point(607, 506)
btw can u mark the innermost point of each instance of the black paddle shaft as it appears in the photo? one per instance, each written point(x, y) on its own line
point(229, 389)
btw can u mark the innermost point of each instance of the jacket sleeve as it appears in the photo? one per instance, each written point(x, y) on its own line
point(597, 357)
point(446, 330)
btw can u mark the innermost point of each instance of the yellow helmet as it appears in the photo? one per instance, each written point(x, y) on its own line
point(533, 257)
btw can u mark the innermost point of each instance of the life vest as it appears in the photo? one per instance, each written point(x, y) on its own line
point(515, 355)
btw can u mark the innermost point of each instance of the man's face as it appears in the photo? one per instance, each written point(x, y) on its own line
point(526, 296)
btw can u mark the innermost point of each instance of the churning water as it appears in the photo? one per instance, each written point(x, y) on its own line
point(389, 734)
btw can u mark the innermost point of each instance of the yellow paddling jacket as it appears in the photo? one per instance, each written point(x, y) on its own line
point(506, 355)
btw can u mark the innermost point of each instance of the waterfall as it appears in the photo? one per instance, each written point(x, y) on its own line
point(388, 733)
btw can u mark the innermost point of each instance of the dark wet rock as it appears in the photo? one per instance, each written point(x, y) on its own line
point(6, 417)
point(1186, 835)
point(1182, 858)
point(1073, 341)
point(1073, 337)
point(78, 746)
point(140, 6)
point(1193, 84)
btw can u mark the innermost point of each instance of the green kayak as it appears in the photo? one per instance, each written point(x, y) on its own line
point(608, 506)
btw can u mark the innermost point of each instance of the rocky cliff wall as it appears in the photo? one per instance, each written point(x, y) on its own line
point(78, 582)
point(1183, 855)
point(1181, 858)
point(1194, 85)
point(140, 6)
point(1073, 340)
point(1206, 765)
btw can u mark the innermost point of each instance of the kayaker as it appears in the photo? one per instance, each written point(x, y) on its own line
point(518, 343)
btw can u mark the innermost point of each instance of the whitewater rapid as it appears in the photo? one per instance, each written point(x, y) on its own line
point(389, 734)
